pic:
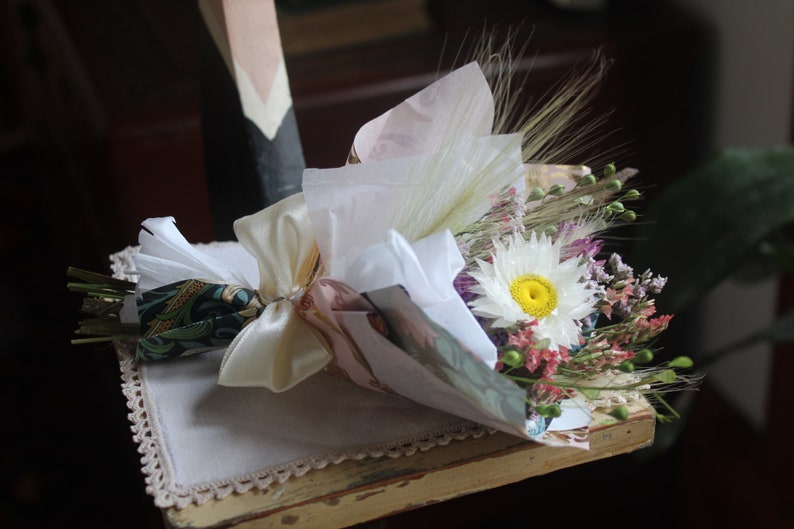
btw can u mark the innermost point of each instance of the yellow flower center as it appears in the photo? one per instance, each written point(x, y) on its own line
point(534, 294)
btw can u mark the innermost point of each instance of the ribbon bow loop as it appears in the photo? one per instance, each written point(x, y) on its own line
point(278, 350)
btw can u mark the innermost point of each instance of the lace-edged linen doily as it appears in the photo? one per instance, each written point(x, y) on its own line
point(201, 441)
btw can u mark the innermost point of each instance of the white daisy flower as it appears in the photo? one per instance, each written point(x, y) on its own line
point(527, 282)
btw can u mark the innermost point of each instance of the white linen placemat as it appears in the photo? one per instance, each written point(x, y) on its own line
point(202, 441)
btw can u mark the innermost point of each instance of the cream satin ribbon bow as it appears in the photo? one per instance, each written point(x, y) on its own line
point(278, 350)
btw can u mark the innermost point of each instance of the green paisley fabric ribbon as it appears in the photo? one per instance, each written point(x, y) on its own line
point(192, 316)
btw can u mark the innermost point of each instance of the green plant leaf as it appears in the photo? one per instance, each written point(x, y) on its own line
point(704, 226)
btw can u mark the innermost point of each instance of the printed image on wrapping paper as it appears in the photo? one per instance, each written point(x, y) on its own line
point(322, 308)
point(426, 364)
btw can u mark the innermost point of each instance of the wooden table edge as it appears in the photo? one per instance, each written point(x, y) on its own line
point(357, 491)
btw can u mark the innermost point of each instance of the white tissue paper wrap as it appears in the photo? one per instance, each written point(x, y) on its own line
point(459, 102)
point(425, 167)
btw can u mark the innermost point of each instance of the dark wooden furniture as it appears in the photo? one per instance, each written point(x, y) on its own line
point(135, 68)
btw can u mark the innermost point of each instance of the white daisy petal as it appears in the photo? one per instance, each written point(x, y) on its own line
point(568, 299)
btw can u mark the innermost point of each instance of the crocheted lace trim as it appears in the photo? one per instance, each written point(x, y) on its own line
point(158, 474)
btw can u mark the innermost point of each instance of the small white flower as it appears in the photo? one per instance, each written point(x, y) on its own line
point(527, 282)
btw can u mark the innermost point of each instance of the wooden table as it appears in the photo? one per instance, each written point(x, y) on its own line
point(359, 491)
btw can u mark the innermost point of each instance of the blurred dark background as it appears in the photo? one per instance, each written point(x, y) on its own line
point(103, 114)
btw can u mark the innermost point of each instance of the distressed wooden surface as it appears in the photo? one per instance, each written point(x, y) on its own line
point(358, 491)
